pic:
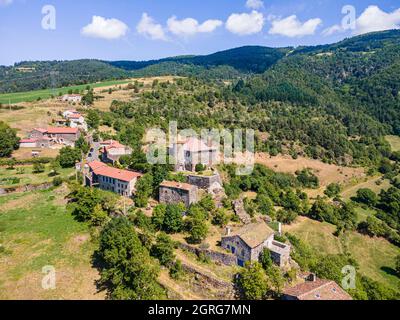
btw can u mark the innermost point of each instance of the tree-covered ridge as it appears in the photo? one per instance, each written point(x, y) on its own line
point(248, 59)
point(55, 74)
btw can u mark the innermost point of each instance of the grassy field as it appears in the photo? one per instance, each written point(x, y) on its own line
point(394, 142)
point(47, 93)
point(376, 256)
point(36, 230)
point(24, 176)
point(375, 184)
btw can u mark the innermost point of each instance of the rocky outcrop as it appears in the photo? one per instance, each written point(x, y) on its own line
point(218, 257)
point(238, 207)
point(26, 188)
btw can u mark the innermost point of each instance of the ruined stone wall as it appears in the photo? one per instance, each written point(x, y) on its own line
point(219, 257)
point(220, 289)
point(174, 196)
point(205, 182)
point(26, 188)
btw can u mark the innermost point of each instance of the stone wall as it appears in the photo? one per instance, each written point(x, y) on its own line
point(206, 182)
point(218, 257)
point(26, 188)
point(174, 196)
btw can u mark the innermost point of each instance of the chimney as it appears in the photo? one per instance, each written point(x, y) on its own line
point(228, 231)
point(280, 228)
point(312, 277)
point(209, 142)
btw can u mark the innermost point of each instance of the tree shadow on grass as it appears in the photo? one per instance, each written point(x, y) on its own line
point(389, 271)
point(98, 263)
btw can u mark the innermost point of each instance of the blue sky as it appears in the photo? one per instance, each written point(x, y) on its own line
point(148, 29)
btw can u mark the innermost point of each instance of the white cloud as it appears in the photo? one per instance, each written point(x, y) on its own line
point(149, 28)
point(245, 23)
point(254, 4)
point(374, 19)
point(293, 27)
point(4, 3)
point(190, 26)
point(332, 30)
point(105, 28)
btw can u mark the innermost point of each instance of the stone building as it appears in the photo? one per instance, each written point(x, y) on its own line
point(56, 135)
point(113, 151)
point(249, 241)
point(35, 143)
point(192, 151)
point(107, 178)
point(72, 98)
point(316, 289)
point(177, 192)
point(210, 183)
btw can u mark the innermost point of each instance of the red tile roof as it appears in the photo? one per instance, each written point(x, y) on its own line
point(55, 130)
point(195, 145)
point(319, 289)
point(28, 140)
point(102, 169)
point(40, 130)
point(177, 185)
point(74, 116)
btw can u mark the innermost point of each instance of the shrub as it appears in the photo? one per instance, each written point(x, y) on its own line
point(57, 181)
point(333, 190)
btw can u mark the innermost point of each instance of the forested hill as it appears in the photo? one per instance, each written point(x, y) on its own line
point(229, 64)
point(357, 76)
point(35, 75)
point(249, 59)
point(360, 70)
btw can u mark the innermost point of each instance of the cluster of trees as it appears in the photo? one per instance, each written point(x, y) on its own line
point(128, 271)
point(386, 222)
point(92, 205)
point(273, 189)
point(341, 214)
point(8, 140)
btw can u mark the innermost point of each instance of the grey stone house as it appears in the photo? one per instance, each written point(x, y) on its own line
point(210, 183)
point(189, 152)
point(56, 135)
point(249, 241)
point(175, 192)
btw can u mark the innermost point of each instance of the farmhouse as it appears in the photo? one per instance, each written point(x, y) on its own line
point(56, 135)
point(75, 119)
point(113, 151)
point(249, 241)
point(316, 289)
point(177, 192)
point(112, 179)
point(35, 143)
point(72, 98)
point(192, 151)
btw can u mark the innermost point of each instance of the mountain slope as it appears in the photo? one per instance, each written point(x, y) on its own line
point(36, 75)
point(359, 75)
point(248, 59)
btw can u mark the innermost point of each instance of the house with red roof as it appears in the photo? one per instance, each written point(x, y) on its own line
point(191, 151)
point(102, 176)
point(55, 135)
point(314, 288)
point(113, 151)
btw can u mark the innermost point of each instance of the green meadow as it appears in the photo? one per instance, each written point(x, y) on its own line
point(29, 96)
